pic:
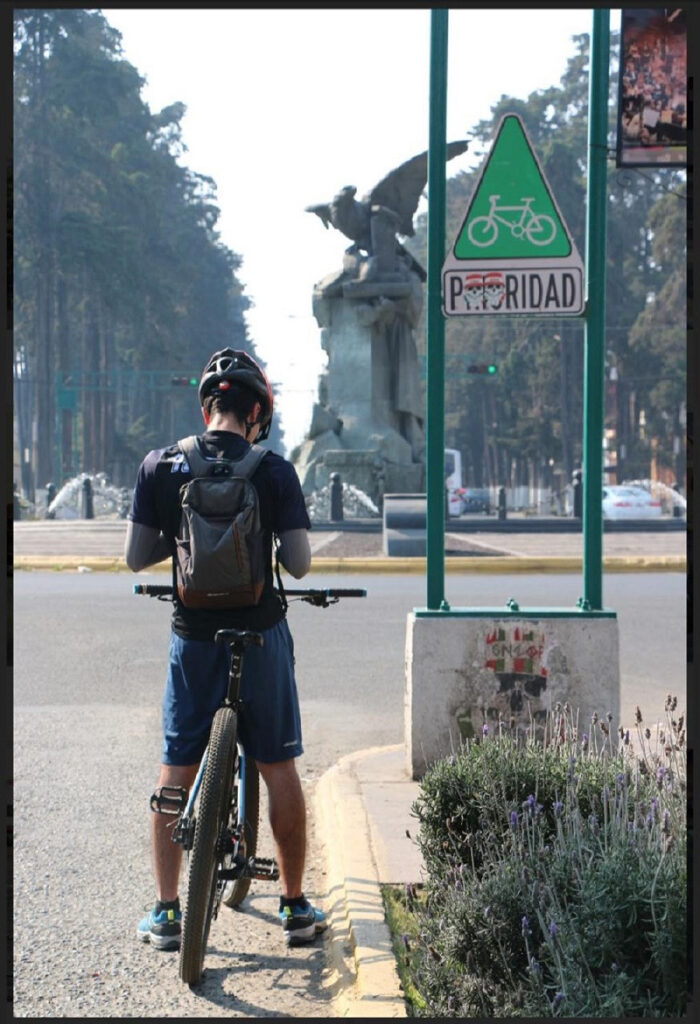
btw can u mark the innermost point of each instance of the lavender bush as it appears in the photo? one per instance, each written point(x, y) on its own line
point(557, 878)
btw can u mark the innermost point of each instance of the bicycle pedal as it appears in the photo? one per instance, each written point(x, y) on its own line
point(169, 800)
point(264, 868)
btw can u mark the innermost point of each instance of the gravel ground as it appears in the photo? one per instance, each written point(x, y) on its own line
point(75, 949)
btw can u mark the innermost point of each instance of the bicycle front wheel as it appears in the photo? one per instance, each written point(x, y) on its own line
point(245, 812)
point(211, 819)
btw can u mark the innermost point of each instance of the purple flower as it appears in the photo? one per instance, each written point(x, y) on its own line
point(525, 926)
point(514, 819)
point(552, 929)
point(558, 807)
point(558, 997)
point(484, 729)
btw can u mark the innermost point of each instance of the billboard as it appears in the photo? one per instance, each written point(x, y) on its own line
point(653, 95)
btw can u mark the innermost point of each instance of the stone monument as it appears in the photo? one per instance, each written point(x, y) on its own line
point(367, 424)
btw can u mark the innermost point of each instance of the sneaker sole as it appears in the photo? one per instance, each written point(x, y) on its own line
point(160, 941)
point(300, 936)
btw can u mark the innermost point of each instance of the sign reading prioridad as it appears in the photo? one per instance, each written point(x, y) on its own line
point(513, 253)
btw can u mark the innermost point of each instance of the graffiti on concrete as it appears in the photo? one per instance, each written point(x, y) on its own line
point(513, 682)
point(515, 650)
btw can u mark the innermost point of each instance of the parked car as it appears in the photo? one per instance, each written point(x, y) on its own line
point(623, 501)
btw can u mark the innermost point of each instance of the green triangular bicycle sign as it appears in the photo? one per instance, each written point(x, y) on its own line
point(513, 253)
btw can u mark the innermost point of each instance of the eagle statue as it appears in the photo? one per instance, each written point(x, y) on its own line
point(398, 193)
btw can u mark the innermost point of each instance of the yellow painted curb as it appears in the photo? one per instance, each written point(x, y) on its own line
point(463, 564)
point(365, 977)
point(499, 564)
point(98, 563)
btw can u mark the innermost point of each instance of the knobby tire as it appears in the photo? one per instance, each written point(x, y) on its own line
point(236, 891)
point(212, 815)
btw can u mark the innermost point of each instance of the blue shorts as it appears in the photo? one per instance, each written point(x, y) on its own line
point(269, 724)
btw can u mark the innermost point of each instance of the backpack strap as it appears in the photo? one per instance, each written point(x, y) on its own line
point(201, 466)
point(250, 461)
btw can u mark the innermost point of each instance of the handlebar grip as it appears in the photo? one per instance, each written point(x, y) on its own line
point(153, 589)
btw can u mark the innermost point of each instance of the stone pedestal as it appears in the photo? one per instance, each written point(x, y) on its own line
point(465, 671)
point(355, 429)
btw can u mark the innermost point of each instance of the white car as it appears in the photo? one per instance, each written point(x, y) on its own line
point(624, 501)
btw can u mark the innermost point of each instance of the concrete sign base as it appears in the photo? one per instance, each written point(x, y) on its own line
point(466, 672)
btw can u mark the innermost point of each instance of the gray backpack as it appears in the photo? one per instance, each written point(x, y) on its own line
point(220, 551)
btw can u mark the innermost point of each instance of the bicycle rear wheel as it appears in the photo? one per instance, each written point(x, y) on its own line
point(211, 818)
point(246, 796)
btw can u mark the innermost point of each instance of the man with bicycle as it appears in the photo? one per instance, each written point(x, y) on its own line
point(237, 405)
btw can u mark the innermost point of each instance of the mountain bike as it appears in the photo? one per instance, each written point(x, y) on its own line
point(217, 821)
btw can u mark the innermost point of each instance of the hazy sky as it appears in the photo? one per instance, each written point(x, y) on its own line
point(286, 107)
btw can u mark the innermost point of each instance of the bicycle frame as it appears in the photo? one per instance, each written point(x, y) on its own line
point(184, 827)
point(183, 831)
point(526, 213)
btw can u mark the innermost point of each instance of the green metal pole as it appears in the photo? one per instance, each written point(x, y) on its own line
point(435, 324)
point(594, 352)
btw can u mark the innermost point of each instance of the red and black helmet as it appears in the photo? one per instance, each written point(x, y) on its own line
point(234, 365)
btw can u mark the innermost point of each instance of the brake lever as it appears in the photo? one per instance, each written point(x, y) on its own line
point(321, 600)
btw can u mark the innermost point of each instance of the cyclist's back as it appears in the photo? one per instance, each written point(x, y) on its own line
point(237, 406)
point(282, 509)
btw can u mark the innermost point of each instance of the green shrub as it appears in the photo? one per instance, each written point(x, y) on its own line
point(556, 875)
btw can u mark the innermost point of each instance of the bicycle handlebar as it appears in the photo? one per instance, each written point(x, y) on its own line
point(319, 597)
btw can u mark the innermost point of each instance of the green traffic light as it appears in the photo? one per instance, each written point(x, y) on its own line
point(492, 368)
point(193, 382)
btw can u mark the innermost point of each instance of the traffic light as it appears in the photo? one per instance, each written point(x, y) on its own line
point(184, 382)
point(486, 368)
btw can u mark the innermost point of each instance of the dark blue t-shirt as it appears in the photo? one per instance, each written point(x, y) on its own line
point(156, 503)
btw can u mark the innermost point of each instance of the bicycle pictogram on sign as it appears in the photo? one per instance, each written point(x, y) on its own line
point(539, 229)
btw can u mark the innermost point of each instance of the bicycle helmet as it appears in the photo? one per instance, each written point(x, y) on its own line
point(233, 365)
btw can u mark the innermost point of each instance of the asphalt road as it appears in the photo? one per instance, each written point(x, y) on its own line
point(89, 663)
point(84, 637)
